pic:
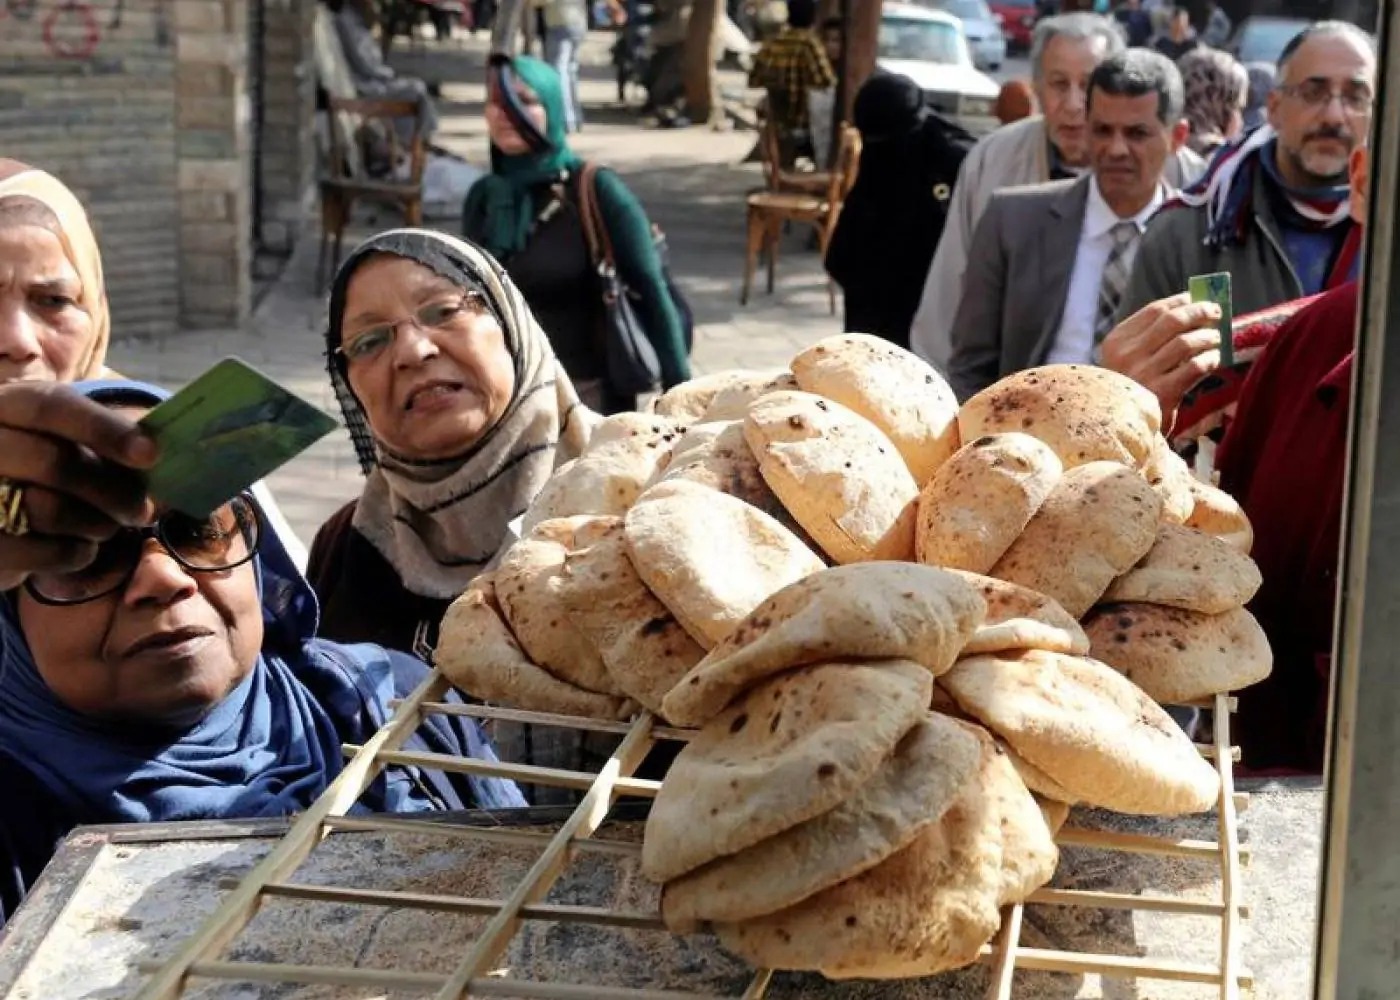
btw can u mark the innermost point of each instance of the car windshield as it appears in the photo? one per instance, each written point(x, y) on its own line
point(920, 41)
point(967, 10)
point(1262, 41)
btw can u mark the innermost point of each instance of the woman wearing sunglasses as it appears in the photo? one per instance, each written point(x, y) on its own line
point(178, 676)
point(69, 469)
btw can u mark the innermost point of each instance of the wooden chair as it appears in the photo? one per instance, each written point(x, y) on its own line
point(770, 211)
point(363, 134)
point(779, 177)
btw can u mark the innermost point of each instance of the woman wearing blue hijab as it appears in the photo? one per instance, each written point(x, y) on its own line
point(179, 677)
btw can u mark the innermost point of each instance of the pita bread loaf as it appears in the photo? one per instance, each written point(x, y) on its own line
point(1020, 618)
point(1217, 513)
point(733, 401)
point(1186, 568)
point(836, 474)
point(926, 909)
point(929, 769)
point(709, 557)
point(635, 430)
point(527, 587)
point(481, 658)
point(688, 401)
point(1180, 656)
point(1028, 851)
point(605, 482)
point(894, 389)
point(793, 748)
point(1056, 814)
point(863, 611)
point(1037, 780)
point(643, 647)
point(1168, 474)
point(979, 501)
point(1089, 728)
point(727, 464)
point(1083, 412)
point(1098, 521)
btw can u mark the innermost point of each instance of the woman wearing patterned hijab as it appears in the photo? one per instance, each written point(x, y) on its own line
point(1217, 88)
point(459, 412)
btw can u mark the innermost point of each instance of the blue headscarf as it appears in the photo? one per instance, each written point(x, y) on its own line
point(268, 749)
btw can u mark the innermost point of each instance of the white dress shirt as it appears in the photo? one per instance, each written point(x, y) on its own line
point(1074, 341)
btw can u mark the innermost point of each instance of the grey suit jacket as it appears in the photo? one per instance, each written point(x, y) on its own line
point(1016, 282)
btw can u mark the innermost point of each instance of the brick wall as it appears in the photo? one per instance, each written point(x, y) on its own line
point(142, 107)
point(86, 92)
point(213, 161)
point(287, 163)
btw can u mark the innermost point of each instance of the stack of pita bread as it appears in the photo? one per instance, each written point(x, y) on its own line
point(898, 625)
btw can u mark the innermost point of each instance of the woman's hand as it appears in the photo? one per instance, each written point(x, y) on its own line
point(77, 462)
point(1165, 346)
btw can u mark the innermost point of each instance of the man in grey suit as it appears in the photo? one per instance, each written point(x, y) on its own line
point(1048, 264)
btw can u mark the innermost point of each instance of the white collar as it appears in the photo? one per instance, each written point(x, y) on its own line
point(1099, 219)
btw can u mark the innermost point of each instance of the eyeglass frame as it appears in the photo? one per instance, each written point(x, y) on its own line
point(1333, 94)
point(345, 348)
point(145, 534)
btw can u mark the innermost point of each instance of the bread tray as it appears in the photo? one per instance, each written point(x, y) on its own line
point(526, 944)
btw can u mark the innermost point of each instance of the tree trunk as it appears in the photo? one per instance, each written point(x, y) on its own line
point(862, 42)
point(702, 95)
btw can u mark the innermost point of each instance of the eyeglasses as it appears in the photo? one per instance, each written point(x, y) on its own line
point(440, 314)
point(224, 540)
point(1356, 98)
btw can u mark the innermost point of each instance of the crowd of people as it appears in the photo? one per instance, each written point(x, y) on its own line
point(159, 667)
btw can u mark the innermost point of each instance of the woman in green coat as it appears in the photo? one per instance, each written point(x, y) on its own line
point(525, 213)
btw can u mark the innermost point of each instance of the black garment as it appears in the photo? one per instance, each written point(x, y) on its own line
point(1137, 25)
point(891, 223)
point(1174, 50)
point(362, 597)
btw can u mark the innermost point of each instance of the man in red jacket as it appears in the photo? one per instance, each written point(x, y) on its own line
point(1284, 459)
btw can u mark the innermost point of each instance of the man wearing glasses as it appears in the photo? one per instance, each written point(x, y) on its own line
point(1273, 207)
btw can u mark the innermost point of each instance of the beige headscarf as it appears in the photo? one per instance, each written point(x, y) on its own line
point(21, 180)
point(440, 523)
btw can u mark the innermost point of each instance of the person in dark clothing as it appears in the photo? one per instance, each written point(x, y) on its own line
point(1136, 22)
point(893, 217)
point(525, 214)
point(179, 676)
point(1180, 37)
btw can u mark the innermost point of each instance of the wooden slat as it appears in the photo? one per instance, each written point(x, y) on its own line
point(586, 819)
point(509, 836)
point(1229, 858)
point(1137, 843)
point(529, 773)
point(224, 924)
point(1008, 942)
point(552, 719)
point(1091, 899)
point(597, 915)
point(759, 987)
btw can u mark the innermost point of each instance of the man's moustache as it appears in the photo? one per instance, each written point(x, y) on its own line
point(1330, 132)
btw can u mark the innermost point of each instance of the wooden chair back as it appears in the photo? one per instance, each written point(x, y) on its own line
point(357, 124)
point(843, 173)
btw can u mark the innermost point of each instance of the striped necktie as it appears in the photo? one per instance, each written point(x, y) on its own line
point(1115, 277)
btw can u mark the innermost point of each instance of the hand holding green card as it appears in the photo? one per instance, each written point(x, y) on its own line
point(223, 432)
point(1216, 288)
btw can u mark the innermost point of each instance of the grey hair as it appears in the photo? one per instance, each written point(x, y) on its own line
point(1079, 26)
point(1322, 29)
point(1136, 72)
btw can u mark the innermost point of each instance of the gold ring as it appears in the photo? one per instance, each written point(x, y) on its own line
point(13, 519)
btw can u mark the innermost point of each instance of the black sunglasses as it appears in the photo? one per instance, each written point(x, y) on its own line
point(224, 540)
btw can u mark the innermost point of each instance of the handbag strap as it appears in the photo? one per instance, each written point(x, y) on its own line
point(594, 229)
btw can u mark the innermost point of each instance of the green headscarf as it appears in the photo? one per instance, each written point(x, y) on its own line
point(501, 210)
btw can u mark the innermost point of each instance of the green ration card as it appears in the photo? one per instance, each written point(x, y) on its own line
point(1216, 288)
point(223, 432)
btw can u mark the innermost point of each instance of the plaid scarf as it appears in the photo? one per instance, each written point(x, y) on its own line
point(1226, 191)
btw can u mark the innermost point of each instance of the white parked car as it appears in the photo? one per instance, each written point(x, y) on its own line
point(980, 25)
point(930, 47)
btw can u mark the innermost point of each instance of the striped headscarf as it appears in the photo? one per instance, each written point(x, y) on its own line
point(441, 522)
point(20, 182)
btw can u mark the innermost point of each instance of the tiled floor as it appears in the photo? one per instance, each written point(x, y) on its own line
point(693, 183)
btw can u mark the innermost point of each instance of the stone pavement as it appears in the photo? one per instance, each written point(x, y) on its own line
point(693, 184)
